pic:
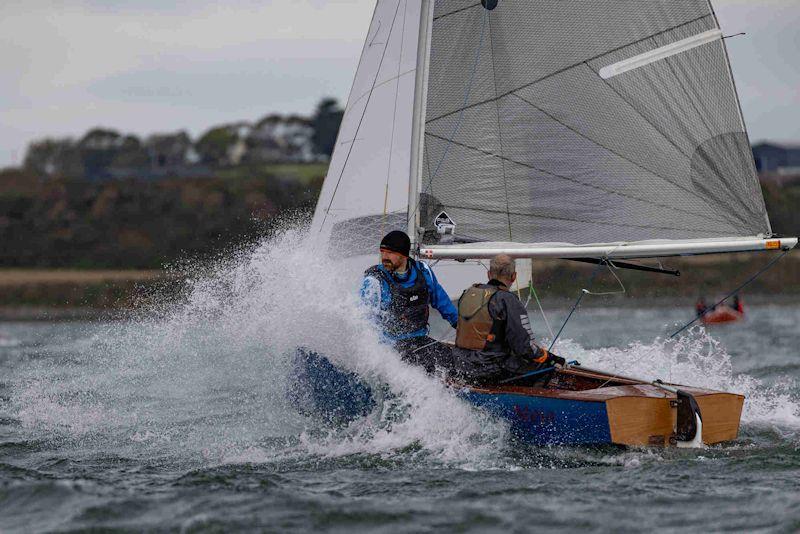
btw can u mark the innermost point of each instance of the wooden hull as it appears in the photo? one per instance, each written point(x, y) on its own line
point(633, 415)
point(577, 407)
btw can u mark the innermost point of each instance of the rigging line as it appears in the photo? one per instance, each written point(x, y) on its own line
point(734, 35)
point(361, 119)
point(375, 35)
point(460, 117)
point(500, 131)
point(577, 303)
point(350, 95)
point(739, 288)
point(541, 309)
point(428, 164)
point(556, 73)
point(456, 11)
point(656, 128)
point(576, 181)
point(693, 193)
point(385, 207)
point(530, 283)
point(394, 120)
point(752, 163)
point(611, 269)
point(527, 375)
point(384, 82)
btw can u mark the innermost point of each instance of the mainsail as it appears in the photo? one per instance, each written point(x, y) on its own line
point(559, 128)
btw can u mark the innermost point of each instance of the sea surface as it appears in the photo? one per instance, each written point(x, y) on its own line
point(177, 419)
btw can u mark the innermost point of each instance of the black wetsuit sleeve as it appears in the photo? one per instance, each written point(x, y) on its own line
point(518, 328)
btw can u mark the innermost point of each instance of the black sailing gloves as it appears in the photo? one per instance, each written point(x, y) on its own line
point(547, 358)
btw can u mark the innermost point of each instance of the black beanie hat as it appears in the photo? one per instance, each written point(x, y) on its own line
point(397, 241)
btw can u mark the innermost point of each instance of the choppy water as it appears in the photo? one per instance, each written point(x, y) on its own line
point(179, 421)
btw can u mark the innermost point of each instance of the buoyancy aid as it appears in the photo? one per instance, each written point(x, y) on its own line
point(476, 328)
point(408, 309)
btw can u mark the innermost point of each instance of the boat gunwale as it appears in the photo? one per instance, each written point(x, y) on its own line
point(600, 394)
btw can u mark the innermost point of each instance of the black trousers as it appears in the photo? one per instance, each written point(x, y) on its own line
point(427, 353)
point(469, 366)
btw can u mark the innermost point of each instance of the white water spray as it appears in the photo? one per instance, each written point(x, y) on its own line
point(698, 359)
point(209, 372)
point(205, 375)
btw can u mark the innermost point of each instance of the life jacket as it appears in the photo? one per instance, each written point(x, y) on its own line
point(408, 309)
point(476, 328)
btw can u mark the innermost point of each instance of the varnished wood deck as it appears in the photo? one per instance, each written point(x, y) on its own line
point(640, 414)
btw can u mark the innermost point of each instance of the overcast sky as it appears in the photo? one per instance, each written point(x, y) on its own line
point(148, 66)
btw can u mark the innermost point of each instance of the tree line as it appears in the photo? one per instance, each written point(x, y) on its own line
point(107, 153)
point(132, 223)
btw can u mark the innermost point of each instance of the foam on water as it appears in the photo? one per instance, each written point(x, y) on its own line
point(697, 359)
point(204, 376)
point(208, 373)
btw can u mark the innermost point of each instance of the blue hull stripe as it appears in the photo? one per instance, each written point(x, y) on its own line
point(548, 421)
point(325, 391)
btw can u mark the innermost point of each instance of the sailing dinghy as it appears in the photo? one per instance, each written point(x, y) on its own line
point(722, 314)
point(595, 131)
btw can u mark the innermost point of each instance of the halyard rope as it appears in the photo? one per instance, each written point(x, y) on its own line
point(577, 303)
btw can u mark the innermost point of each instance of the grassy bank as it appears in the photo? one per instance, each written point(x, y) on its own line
point(44, 292)
point(144, 224)
point(71, 289)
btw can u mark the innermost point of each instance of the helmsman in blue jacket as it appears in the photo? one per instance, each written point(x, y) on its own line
point(399, 293)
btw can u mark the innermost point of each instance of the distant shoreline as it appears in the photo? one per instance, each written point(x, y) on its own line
point(16, 276)
point(57, 294)
point(84, 314)
point(74, 294)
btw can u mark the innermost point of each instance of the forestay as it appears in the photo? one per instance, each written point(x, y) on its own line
point(573, 122)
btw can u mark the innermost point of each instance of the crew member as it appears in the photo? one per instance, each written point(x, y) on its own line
point(398, 293)
point(737, 304)
point(701, 307)
point(494, 333)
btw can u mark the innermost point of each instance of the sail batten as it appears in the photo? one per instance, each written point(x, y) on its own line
point(659, 53)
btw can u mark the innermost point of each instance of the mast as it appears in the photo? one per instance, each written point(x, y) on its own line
point(418, 120)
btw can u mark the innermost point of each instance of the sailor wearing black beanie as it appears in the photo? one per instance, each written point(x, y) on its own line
point(398, 294)
point(397, 241)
